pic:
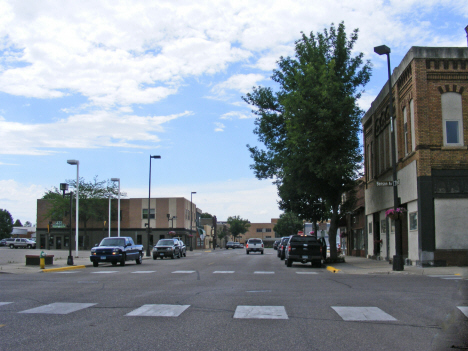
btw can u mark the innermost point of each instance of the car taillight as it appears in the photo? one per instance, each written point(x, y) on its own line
point(289, 248)
point(246, 246)
point(262, 245)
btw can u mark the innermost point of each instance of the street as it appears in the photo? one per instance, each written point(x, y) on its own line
point(227, 300)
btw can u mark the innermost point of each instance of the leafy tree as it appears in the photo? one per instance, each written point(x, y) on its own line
point(288, 224)
point(206, 215)
point(27, 224)
point(17, 223)
point(238, 226)
point(222, 232)
point(93, 203)
point(310, 126)
point(6, 224)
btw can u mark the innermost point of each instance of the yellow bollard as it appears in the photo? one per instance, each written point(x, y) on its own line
point(42, 259)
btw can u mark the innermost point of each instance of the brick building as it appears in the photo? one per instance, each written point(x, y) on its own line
point(134, 220)
point(430, 100)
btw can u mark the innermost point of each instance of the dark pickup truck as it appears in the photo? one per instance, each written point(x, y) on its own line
point(303, 248)
point(116, 249)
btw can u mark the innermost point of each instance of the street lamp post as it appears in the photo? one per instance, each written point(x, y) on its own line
point(398, 257)
point(191, 220)
point(118, 207)
point(64, 187)
point(77, 163)
point(148, 229)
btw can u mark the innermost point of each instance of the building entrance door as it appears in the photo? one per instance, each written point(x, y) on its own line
point(58, 242)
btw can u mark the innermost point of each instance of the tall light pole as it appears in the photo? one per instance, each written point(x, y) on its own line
point(109, 226)
point(398, 257)
point(118, 207)
point(77, 163)
point(148, 229)
point(191, 220)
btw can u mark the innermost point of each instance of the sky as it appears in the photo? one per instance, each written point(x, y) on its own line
point(110, 83)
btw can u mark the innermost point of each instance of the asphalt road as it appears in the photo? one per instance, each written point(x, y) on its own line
point(227, 300)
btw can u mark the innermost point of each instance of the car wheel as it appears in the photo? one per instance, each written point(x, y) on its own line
point(95, 264)
point(29, 246)
point(247, 252)
point(178, 255)
point(154, 257)
point(262, 252)
point(114, 263)
point(122, 262)
point(11, 246)
point(288, 262)
point(139, 259)
point(185, 253)
point(173, 256)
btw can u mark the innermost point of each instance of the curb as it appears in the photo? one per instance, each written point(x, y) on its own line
point(333, 269)
point(62, 269)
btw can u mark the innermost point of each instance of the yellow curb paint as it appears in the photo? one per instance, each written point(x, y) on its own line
point(62, 269)
point(2, 325)
point(209, 264)
point(457, 274)
point(333, 269)
point(208, 251)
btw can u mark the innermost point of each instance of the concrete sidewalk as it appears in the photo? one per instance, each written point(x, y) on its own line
point(360, 265)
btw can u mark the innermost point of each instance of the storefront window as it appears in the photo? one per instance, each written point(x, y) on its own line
point(413, 221)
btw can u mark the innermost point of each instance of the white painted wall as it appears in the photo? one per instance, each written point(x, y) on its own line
point(413, 239)
point(451, 223)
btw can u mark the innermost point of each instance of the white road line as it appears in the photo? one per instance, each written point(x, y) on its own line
point(261, 312)
point(463, 309)
point(262, 272)
point(5, 303)
point(159, 311)
point(362, 314)
point(306, 273)
point(105, 272)
point(452, 278)
point(183, 272)
point(223, 272)
point(59, 308)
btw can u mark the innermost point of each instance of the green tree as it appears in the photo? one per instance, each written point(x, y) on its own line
point(310, 126)
point(206, 215)
point(27, 224)
point(222, 232)
point(288, 224)
point(6, 224)
point(17, 223)
point(238, 225)
point(93, 203)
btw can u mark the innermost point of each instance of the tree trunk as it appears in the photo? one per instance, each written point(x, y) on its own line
point(332, 231)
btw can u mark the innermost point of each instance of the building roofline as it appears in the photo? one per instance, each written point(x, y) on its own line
point(415, 52)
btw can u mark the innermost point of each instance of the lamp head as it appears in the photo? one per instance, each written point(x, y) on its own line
point(63, 186)
point(193, 192)
point(115, 179)
point(382, 49)
point(156, 156)
point(73, 162)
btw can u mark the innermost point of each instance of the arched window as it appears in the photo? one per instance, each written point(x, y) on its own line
point(452, 118)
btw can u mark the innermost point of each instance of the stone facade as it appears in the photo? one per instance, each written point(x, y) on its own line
point(430, 103)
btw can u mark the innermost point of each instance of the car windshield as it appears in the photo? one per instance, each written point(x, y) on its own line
point(304, 239)
point(167, 242)
point(112, 242)
point(285, 240)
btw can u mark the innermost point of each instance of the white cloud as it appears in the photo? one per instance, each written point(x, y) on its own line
point(20, 199)
point(94, 130)
point(239, 82)
point(219, 127)
point(237, 114)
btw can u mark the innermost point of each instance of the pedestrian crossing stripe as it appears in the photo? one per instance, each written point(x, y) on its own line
point(362, 314)
point(262, 272)
point(143, 272)
point(160, 310)
point(463, 309)
point(306, 273)
point(104, 272)
point(260, 312)
point(59, 308)
point(5, 303)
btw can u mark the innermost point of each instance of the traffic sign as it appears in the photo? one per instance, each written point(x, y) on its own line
point(388, 183)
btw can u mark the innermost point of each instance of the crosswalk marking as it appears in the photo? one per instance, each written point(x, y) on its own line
point(306, 273)
point(261, 312)
point(59, 308)
point(463, 309)
point(262, 272)
point(446, 276)
point(104, 272)
point(362, 314)
point(223, 272)
point(5, 303)
point(183, 272)
point(159, 311)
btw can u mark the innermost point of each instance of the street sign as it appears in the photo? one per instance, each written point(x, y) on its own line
point(388, 183)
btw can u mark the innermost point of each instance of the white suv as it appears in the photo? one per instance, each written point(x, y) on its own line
point(20, 242)
point(254, 245)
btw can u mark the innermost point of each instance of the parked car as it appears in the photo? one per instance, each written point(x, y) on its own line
point(230, 245)
point(254, 245)
point(303, 248)
point(21, 243)
point(116, 249)
point(3, 242)
point(282, 247)
point(275, 244)
point(167, 248)
point(238, 245)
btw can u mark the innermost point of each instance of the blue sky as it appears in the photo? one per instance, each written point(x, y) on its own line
point(110, 82)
